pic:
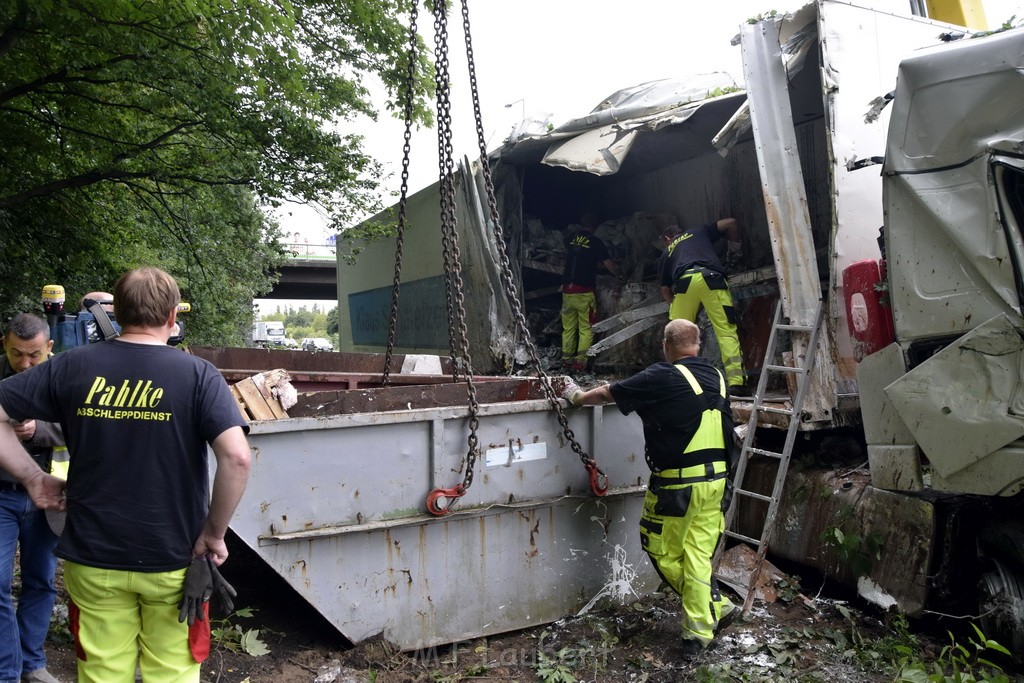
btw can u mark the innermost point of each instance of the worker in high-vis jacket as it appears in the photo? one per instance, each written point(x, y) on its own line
point(584, 252)
point(693, 276)
point(683, 403)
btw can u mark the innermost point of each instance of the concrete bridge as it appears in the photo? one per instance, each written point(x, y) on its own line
point(312, 273)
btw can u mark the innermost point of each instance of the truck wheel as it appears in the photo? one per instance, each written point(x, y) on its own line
point(1001, 601)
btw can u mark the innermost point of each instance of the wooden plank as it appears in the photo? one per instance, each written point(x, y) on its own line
point(266, 383)
point(241, 403)
point(254, 401)
point(622, 335)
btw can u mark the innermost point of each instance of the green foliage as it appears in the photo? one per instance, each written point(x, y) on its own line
point(1011, 23)
point(718, 92)
point(302, 322)
point(353, 241)
point(857, 552)
point(141, 133)
point(233, 637)
point(555, 666)
point(770, 14)
point(958, 663)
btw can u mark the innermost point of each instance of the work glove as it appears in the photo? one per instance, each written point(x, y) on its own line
point(572, 393)
point(197, 590)
point(222, 590)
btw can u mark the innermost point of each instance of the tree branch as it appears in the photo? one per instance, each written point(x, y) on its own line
point(63, 77)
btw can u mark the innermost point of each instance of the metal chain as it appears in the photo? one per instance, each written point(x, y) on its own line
point(455, 300)
point(598, 480)
point(410, 85)
point(444, 151)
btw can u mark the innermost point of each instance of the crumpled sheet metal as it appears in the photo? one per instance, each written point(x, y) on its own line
point(966, 401)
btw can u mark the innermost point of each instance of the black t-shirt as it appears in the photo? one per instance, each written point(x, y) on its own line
point(692, 248)
point(137, 419)
point(667, 406)
point(583, 252)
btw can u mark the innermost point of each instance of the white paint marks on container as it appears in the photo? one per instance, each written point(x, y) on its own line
point(620, 585)
point(515, 451)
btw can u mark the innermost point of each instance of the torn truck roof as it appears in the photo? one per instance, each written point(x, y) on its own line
point(614, 136)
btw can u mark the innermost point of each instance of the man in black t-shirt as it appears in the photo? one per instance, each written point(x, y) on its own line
point(692, 276)
point(584, 252)
point(137, 415)
point(684, 406)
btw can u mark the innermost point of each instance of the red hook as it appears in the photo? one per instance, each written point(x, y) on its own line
point(435, 508)
point(598, 479)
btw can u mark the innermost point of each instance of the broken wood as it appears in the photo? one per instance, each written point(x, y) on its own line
point(264, 395)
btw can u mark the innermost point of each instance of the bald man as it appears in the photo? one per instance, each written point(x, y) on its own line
point(684, 405)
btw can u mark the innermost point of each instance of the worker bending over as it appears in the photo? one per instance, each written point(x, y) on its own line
point(693, 276)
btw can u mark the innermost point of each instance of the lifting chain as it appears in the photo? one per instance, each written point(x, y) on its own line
point(444, 156)
point(598, 479)
point(439, 501)
point(410, 84)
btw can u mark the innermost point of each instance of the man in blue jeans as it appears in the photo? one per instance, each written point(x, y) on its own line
point(23, 631)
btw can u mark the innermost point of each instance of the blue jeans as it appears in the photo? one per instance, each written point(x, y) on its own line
point(23, 632)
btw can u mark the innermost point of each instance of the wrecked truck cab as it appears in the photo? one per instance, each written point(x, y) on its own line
point(951, 389)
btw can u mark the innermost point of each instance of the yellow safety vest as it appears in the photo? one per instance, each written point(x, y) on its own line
point(709, 434)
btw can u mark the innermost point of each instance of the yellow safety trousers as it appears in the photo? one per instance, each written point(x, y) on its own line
point(718, 305)
point(682, 522)
point(576, 333)
point(126, 619)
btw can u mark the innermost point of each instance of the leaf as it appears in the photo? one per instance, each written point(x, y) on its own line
point(252, 645)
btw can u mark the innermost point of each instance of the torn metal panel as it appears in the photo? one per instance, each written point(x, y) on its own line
point(967, 400)
point(798, 36)
point(782, 185)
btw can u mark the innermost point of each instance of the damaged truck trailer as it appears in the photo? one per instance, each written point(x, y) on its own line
point(919, 367)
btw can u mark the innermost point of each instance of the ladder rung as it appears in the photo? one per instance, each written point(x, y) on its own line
point(752, 494)
point(748, 539)
point(783, 368)
point(794, 328)
point(777, 411)
point(761, 451)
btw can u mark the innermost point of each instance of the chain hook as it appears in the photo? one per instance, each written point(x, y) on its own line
point(598, 479)
point(436, 507)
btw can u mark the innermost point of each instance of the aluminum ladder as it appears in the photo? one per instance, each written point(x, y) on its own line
point(802, 374)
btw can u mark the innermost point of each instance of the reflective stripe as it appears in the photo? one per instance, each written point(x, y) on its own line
point(60, 462)
point(717, 467)
point(709, 433)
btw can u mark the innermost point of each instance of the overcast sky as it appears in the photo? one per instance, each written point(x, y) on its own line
point(558, 59)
